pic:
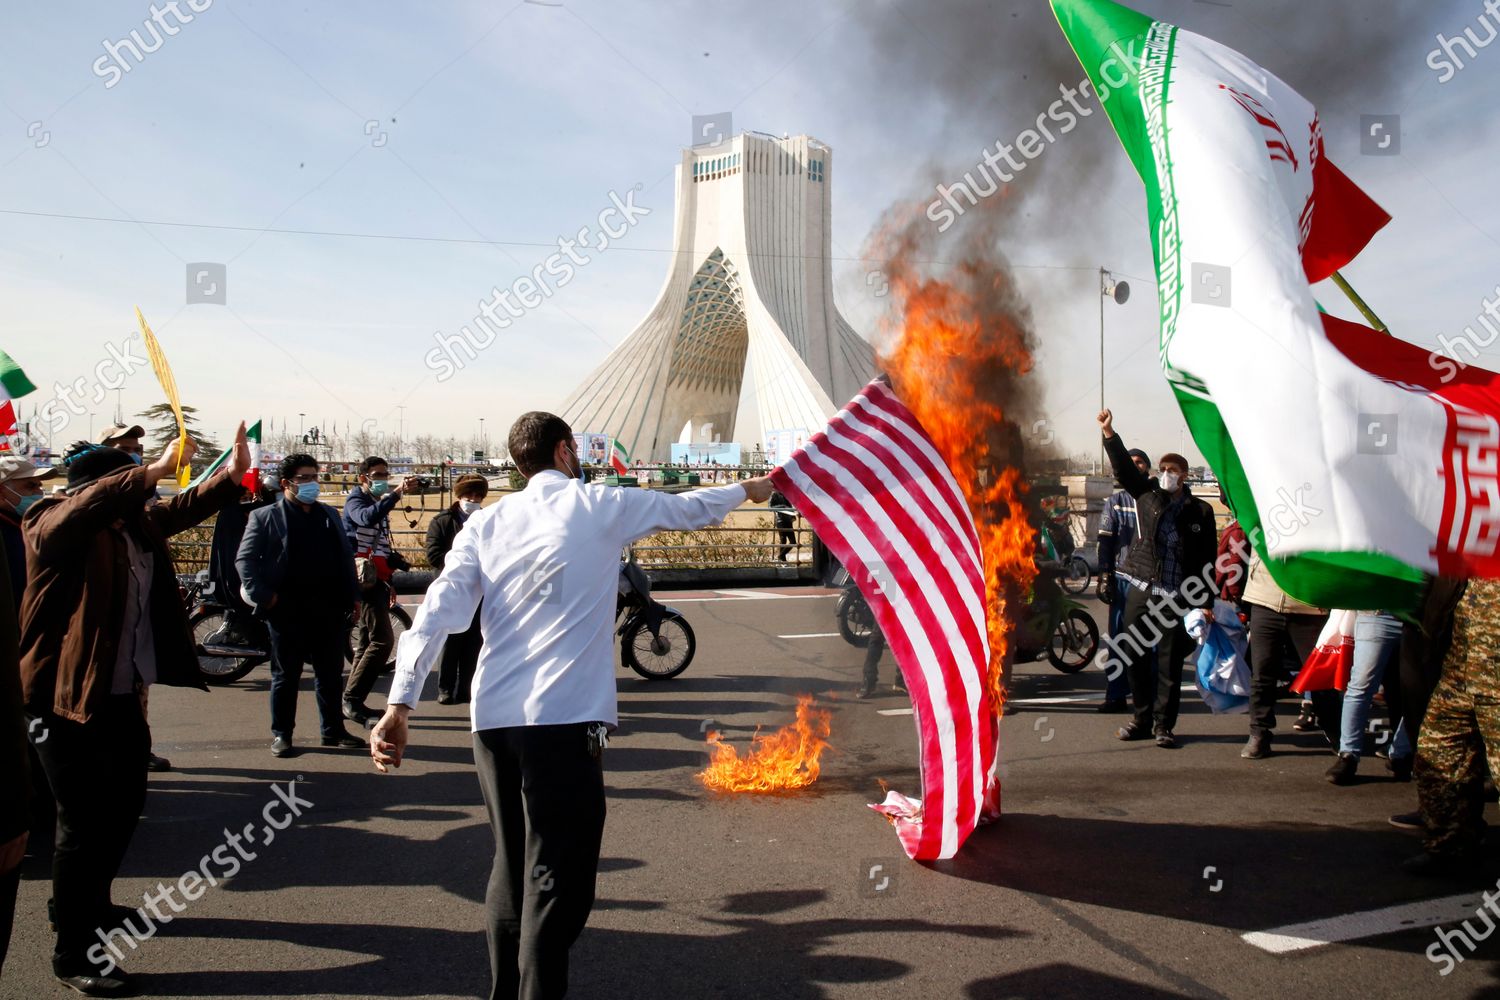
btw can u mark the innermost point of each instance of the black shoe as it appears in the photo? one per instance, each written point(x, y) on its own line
point(92, 984)
point(865, 692)
point(1307, 720)
point(282, 747)
point(444, 698)
point(1342, 771)
point(358, 713)
point(228, 641)
point(899, 688)
point(1411, 822)
point(1400, 767)
point(1112, 706)
point(347, 740)
point(157, 764)
point(1258, 747)
point(1131, 732)
point(1165, 739)
point(1458, 865)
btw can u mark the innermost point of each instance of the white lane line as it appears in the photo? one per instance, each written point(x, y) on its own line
point(665, 596)
point(1055, 700)
point(1367, 923)
point(810, 635)
point(893, 711)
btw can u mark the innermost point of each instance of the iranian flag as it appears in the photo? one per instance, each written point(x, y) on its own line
point(251, 480)
point(619, 457)
point(7, 425)
point(1355, 461)
point(13, 385)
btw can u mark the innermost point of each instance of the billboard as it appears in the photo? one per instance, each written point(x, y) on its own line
point(708, 453)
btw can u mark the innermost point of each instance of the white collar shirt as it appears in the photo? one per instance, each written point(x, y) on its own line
point(542, 566)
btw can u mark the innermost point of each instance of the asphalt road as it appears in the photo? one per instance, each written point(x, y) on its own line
point(1118, 870)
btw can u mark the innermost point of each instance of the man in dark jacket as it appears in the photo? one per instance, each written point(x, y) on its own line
point(240, 631)
point(101, 621)
point(15, 820)
point(1117, 528)
point(297, 572)
point(1170, 565)
point(367, 514)
point(461, 653)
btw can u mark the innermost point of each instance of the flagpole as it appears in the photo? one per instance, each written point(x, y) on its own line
point(1359, 303)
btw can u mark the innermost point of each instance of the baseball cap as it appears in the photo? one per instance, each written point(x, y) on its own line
point(15, 467)
point(114, 431)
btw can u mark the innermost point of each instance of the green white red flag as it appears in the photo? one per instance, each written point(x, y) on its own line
point(1355, 461)
point(251, 479)
point(619, 458)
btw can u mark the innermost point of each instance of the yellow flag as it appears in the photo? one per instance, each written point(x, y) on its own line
point(169, 385)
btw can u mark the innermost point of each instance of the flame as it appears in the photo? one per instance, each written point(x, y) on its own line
point(960, 353)
point(787, 758)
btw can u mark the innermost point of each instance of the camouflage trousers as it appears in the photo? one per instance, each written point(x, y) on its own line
point(1461, 729)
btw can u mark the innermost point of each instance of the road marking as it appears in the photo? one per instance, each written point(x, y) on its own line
point(1367, 923)
point(665, 596)
point(810, 635)
point(1055, 700)
point(893, 711)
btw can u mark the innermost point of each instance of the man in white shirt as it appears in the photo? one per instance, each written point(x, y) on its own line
point(541, 567)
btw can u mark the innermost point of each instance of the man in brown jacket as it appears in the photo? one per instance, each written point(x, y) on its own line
point(101, 620)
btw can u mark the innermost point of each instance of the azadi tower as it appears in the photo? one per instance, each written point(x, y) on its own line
point(750, 277)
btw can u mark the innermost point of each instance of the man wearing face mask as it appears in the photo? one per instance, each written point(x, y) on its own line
point(461, 652)
point(20, 487)
point(101, 621)
point(125, 438)
point(367, 513)
point(297, 572)
point(1170, 566)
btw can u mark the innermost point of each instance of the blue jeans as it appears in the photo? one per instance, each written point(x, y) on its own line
point(1377, 641)
point(1117, 688)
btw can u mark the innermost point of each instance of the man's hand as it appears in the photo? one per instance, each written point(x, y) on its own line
point(239, 459)
point(405, 486)
point(388, 738)
point(758, 490)
point(179, 453)
point(1107, 423)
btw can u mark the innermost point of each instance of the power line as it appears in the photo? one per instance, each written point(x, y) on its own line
point(399, 237)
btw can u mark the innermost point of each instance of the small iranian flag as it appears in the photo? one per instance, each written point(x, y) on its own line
point(251, 480)
point(1355, 461)
point(619, 457)
point(13, 381)
point(7, 425)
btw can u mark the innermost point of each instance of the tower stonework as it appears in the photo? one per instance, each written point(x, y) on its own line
point(750, 277)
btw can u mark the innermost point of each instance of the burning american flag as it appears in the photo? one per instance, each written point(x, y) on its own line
point(876, 490)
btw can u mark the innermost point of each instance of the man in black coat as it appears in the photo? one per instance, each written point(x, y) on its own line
point(1171, 570)
point(461, 651)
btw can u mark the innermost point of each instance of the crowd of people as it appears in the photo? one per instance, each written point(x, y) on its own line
point(1436, 666)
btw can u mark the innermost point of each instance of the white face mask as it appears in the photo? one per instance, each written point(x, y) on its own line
point(1169, 481)
point(468, 506)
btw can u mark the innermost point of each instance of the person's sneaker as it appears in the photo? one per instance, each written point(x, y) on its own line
point(1307, 720)
point(1165, 739)
point(1111, 706)
point(345, 740)
point(358, 713)
point(157, 764)
point(281, 747)
point(1411, 822)
point(1342, 771)
point(1257, 747)
point(227, 641)
point(92, 984)
point(444, 698)
point(1400, 767)
point(1457, 865)
point(865, 692)
point(1131, 732)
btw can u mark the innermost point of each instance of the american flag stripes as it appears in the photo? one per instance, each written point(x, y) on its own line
point(879, 495)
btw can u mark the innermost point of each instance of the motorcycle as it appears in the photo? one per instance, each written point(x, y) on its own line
point(655, 641)
point(855, 619)
point(221, 661)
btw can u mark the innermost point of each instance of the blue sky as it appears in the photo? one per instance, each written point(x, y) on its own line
point(514, 123)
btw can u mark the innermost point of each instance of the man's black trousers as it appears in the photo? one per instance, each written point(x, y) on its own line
point(97, 771)
point(544, 792)
point(1277, 640)
point(1155, 645)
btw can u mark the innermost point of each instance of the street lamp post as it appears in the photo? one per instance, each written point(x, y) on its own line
point(482, 449)
point(300, 418)
point(1120, 292)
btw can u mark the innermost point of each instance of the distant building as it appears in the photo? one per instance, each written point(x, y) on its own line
point(749, 278)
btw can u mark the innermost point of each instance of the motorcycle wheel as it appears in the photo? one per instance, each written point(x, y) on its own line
point(856, 623)
point(217, 669)
point(1076, 579)
point(1074, 642)
point(663, 656)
